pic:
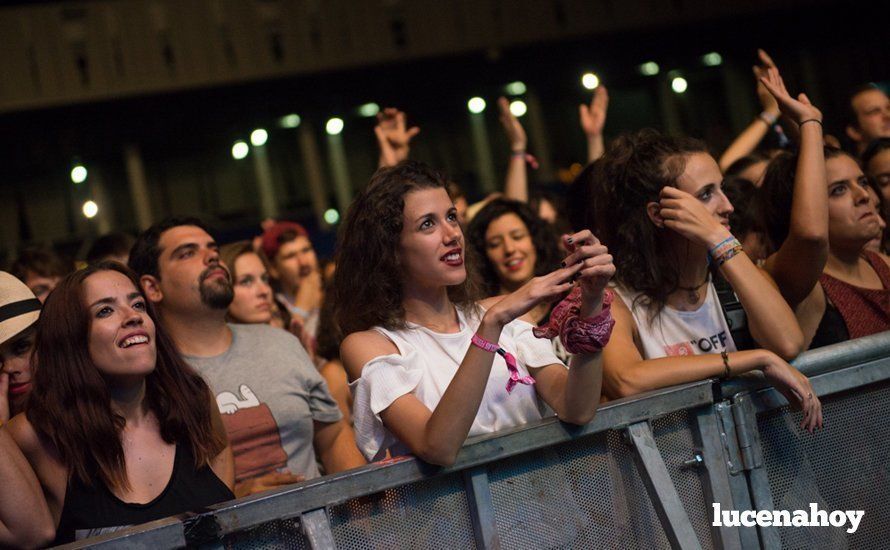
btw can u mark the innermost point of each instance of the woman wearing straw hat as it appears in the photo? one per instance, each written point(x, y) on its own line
point(24, 516)
point(19, 310)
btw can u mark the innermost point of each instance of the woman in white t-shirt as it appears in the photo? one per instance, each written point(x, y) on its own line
point(659, 206)
point(429, 366)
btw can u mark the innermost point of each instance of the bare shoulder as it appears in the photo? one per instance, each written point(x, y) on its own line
point(360, 347)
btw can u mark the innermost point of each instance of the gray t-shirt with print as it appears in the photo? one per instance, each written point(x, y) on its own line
point(269, 394)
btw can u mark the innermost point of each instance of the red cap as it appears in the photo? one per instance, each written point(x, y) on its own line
point(271, 235)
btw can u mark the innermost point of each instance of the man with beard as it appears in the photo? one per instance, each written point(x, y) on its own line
point(276, 408)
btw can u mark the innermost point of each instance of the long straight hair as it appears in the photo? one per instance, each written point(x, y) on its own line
point(70, 405)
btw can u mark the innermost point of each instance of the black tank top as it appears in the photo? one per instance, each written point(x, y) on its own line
point(93, 510)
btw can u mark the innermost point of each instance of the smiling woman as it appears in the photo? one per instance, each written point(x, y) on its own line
point(113, 428)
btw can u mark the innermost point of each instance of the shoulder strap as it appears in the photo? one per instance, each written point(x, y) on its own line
point(734, 313)
point(880, 267)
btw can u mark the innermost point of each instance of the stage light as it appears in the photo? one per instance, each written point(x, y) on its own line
point(90, 209)
point(515, 88)
point(289, 121)
point(331, 216)
point(590, 80)
point(240, 150)
point(712, 59)
point(369, 109)
point(518, 108)
point(649, 68)
point(334, 126)
point(79, 174)
point(476, 105)
point(259, 137)
point(679, 84)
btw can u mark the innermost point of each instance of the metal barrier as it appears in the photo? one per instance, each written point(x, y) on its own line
point(644, 474)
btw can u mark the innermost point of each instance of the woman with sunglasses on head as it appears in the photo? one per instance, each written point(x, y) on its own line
point(429, 364)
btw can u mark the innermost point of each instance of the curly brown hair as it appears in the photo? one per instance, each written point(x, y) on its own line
point(624, 180)
point(544, 239)
point(367, 290)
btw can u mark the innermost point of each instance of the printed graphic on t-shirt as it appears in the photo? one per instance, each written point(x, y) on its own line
point(710, 344)
point(252, 433)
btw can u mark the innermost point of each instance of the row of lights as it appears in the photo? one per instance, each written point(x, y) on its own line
point(79, 175)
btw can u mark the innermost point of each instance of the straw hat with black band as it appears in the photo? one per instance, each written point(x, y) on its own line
point(19, 309)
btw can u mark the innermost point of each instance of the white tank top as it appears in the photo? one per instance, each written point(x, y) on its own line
point(673, 332)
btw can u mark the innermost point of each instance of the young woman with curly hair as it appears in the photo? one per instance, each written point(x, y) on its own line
point(659, 206)
point(119, 429)
point(421, 351)
point(838, 288)
point(510, 246)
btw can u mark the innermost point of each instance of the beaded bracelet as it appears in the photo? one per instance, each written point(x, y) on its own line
point(769, 119)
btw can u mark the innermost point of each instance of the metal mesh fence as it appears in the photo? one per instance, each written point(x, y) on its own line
point(428, 514)
point(278, 534)
point(675, 442)
point(844, 467)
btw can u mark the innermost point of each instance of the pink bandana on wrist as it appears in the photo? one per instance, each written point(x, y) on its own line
point(579, 335)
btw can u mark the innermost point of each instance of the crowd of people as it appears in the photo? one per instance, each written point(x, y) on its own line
point(172, 372)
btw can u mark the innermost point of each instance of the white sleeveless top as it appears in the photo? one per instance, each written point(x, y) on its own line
point(674, 332)
point(425, 365)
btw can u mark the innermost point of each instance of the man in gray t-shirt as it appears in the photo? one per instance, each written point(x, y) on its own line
point(276, 407)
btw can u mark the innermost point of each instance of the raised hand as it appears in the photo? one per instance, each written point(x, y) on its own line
point(545, 288)
point(797, 390)
point(767, 101)
point(512, 127)
point(596, 271)
point(393, 136)
point(799, 109)
point(4, 398)
point(593, 116)
point(687, 216)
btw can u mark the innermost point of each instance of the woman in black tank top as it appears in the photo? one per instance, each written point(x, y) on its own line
point(118, 428)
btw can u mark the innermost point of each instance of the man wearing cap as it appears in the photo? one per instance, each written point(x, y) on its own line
point(24, 516)
point(294, 268)
point(276, 407)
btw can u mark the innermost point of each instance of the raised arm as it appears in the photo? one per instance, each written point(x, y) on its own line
point(593, 119)
point(516, 185)
point(393, 136)
point(751, 136)
point(626, 373)
point(436, 436)
point(799, 262)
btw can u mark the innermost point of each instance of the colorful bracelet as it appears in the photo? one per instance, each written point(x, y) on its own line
point(723, 247)
point(769, 119)
point(725, 256)
point(515, 377)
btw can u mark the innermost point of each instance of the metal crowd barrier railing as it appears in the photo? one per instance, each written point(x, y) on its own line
point(646, 473)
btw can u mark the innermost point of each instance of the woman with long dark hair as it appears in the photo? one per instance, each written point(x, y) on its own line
point(119, 429)
point(421, 351)
point(659, 206)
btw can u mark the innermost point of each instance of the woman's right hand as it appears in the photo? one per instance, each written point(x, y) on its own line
point(545, 288)
point(797, 389)
point(798, 110)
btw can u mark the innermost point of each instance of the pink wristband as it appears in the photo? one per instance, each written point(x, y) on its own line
point(515, 377)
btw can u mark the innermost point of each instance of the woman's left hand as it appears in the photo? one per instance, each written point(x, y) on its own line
point(598, 268)
point(687, 216)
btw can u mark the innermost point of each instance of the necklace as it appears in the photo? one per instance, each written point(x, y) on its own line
point(692, 295)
